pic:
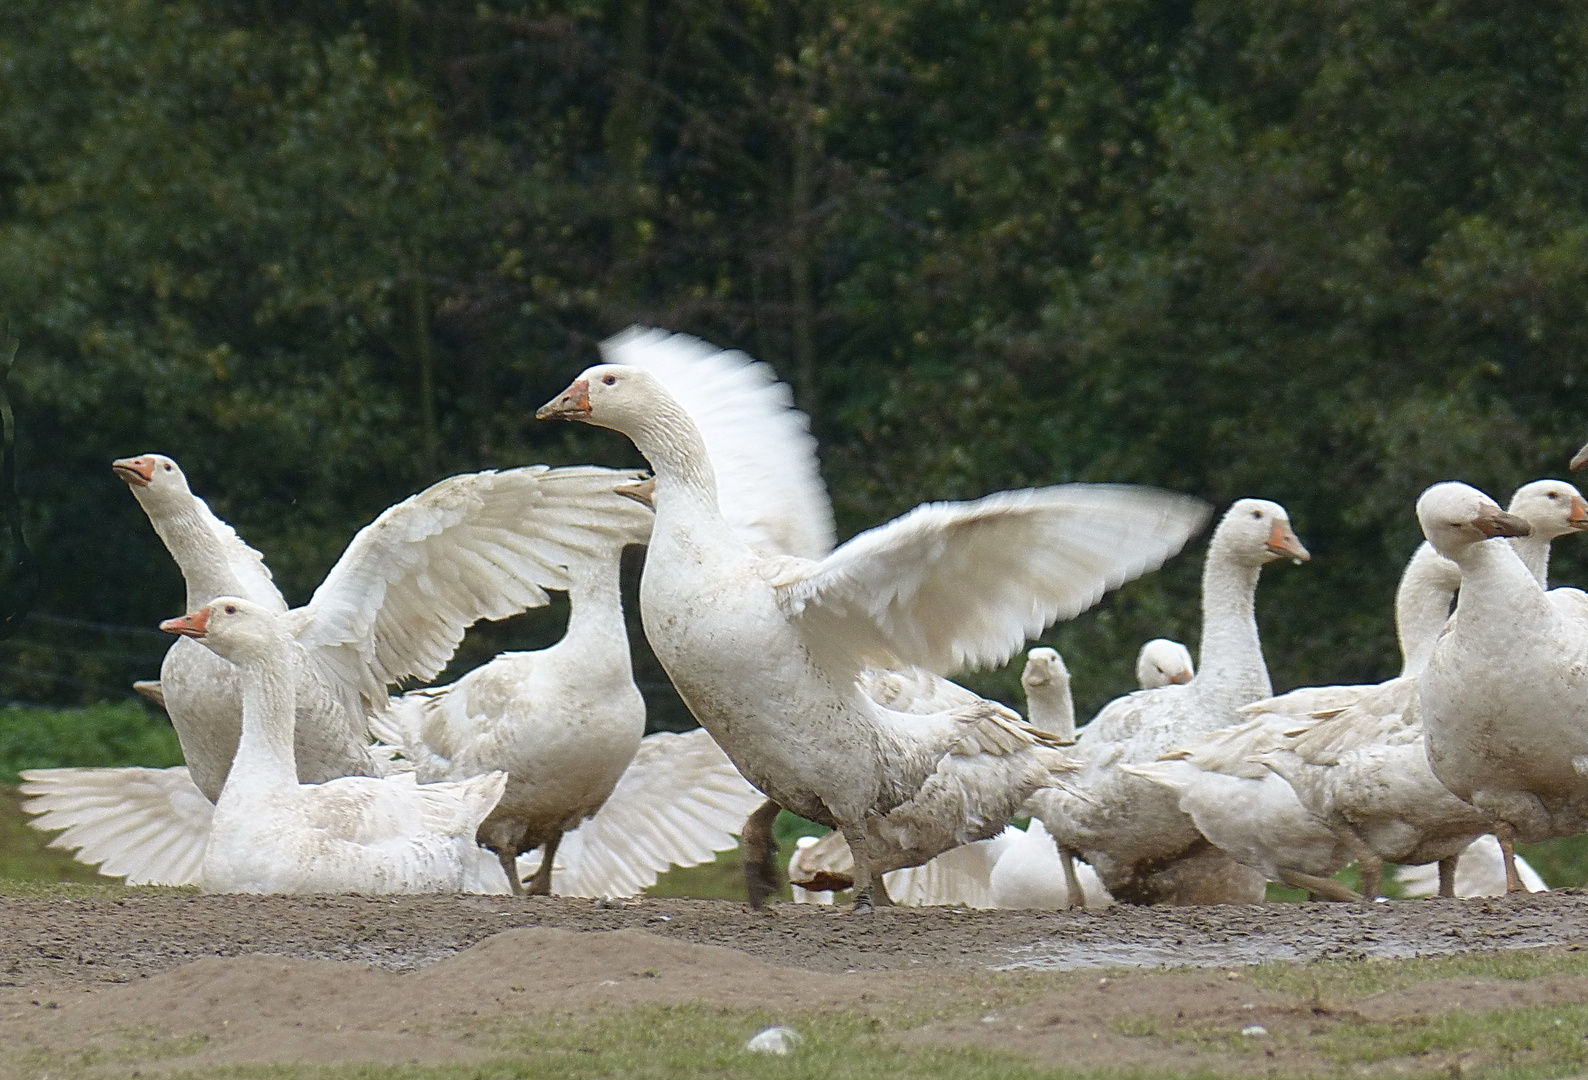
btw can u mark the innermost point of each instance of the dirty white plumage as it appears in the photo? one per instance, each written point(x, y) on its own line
point(355, 834)
point(767, 651)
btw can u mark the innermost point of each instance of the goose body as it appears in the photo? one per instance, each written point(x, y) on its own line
point(768, 651)
point(271, 834)
point(566, 724)
point(1504, 699)
point(1131, 829)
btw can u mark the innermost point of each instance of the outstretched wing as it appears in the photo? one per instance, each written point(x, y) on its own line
point(146, 825)
point(478, 546)
point(679, 803)
point(955, 584)
point(768, 483)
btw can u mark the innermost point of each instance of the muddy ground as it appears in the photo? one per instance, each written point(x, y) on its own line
point(314, 980)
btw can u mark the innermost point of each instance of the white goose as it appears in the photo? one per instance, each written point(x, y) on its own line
point(1162, 662)
point(1504, 699)
point(1132, 831)
point(395, 606)
point(1049, 704)
point(768, 651)
point(1363, 768)
point(770, 492)
point(271, 834)
point(565, 724)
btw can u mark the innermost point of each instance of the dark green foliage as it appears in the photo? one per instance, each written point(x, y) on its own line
point(325, 253)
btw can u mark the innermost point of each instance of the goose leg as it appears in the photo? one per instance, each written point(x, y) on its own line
point(1372, 876)
point(1327, 888)
point(870, 892)
point(1072, 880)
point(1505, 833)
point(509, 860)
point(540, 884)
point(761, 876)
point(1447, 876)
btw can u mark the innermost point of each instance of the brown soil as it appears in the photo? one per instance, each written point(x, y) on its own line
point(269, 978)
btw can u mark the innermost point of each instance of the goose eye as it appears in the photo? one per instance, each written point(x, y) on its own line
point(1258, 514)
point(168, 469)
point(609, 380)
point(1554, 495)
point(231, 609)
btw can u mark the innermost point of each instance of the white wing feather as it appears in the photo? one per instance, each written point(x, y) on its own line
point(679, 803)
point(247, 564)
point(149, 826)
point(768, 483)
point(478, 546)
point(951, 584)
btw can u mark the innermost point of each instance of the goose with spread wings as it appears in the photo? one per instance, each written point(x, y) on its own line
point(395, 606)
point(768, 651)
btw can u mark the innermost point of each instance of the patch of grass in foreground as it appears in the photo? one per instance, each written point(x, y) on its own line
point(1342, 980)
point(682, 1043)
point(1528, 1042)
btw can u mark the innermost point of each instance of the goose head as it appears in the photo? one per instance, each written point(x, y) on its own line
point(1580, 459)
point(154, 478)
point(1044, 667)
point(612, 396)
point(1162, 662)
point(1552, 507)
point(1256, 531)
point(232, 628)
point(1455, 516)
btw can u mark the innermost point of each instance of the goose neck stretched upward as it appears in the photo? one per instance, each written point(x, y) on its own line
point(1232, 669)
point(1422, 606)
point(192, 543)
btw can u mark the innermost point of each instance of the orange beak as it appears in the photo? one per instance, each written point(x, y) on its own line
point(1579, 513)
point(1284, 543)
point(1492, 521)
point(194, 624)
point(572, 404)
point(1181, 677)
point(137, 471)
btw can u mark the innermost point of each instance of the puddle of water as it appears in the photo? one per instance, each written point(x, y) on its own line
point(1060, 955)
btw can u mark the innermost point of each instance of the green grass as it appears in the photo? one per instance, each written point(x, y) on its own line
point(122, 733)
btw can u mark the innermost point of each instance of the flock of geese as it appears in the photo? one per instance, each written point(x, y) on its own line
point(818, 673)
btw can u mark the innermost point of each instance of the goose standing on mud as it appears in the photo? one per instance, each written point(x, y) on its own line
point(1504, 699)
point(1132, 831)
point(566, 724)
point(768, 651)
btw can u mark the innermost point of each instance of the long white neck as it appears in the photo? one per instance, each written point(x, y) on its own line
point(672, 444)
point(265, 762)
point(1231, 671)
point(1533, 549)
point(1422, 606)
point(197, 550)
point(1499, 595)
point(596, 629)
point(1051, 708)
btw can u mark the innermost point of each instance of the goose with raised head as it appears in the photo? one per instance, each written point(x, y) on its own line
point(1363, 768)
point(1504, 699)
point(1132, 831)
point(770, 493)
point(566, 724)
point(477, 546)
point(1049, 703)
point(356, 834)
point(768, 651)
point(1162, 662)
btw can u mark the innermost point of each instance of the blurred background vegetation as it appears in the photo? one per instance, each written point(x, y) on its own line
point(326, 252)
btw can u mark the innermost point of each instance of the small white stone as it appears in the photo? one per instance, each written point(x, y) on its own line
point(1255, 1029)
point(774, 1040)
